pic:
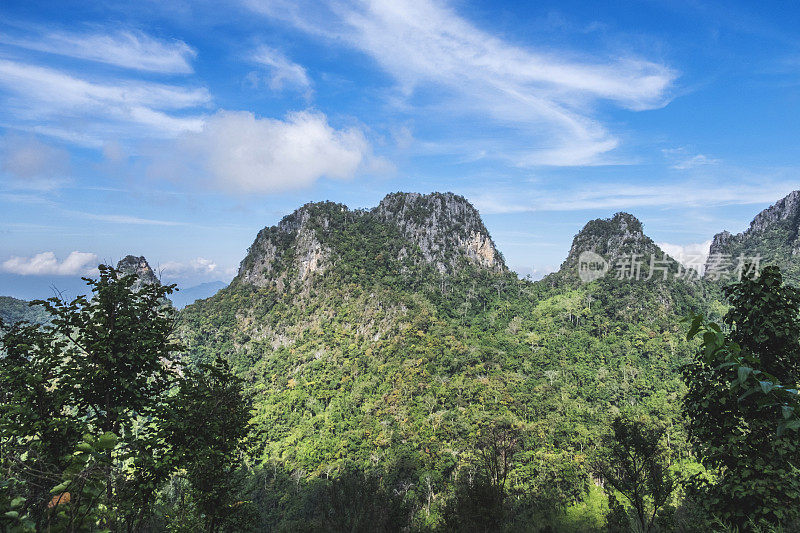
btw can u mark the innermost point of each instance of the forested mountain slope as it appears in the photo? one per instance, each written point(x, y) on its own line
point(371, 336)
point(13, 310)
point(773, 235)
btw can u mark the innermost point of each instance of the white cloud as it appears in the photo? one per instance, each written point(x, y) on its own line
point(128, 49)
point(236, 151)
point(683, 160)
point(283, 73)
point(549, 97)
point(32, 163)
point(694, 254)
point(198, 266)
point(49, 101)
point(46, 263)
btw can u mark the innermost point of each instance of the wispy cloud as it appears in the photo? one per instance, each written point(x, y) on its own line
point(627, 197)
point(281, 71)
point(547, 96)
point(46, 263)
point(45, 100)
point(239, 152)
point(30, 163)
point(682, 159)
point(128, 49)
point(124, 219)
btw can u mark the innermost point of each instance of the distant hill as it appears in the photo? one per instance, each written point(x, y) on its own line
point(189, 295)
point(13, 310)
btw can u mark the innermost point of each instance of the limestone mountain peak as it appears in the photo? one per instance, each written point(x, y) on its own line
point(445, 226)
point(138, 266)
point(442, 230)
point(773, 237)
point(611, 238)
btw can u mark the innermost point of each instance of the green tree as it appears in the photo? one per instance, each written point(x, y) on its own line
point(120, 347)
point(82, 392)
point(479, 496)
point(738, 384)
point(636, 465)
point(38, 426)
point(356, 501)
point(206, 424)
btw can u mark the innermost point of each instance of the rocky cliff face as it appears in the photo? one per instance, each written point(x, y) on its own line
point(785, 209)
point(445, 226)
point(140, 268)
point(290, 250)
point(440, 229)
point(772, 237)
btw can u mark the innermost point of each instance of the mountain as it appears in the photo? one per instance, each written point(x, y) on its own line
point(613, 263)
point(621, 261)
point(184, 297)
point(772, 236)
point(13, 310)
point(615, 239)
point(139, 267)
point(396, 333)
point(445, 227)
point(405, 233)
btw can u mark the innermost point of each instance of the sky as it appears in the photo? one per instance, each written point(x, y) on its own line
point(177, 130)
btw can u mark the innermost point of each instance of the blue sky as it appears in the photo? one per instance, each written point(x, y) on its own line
point(176, 130)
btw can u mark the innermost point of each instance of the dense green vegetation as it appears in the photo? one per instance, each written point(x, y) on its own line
point(742, 396)
point(13, 310)
point(378, 361)
point(358, 377)
point(100, 424)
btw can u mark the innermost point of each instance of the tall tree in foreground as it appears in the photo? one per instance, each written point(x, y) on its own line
point(637, 467)
point(478, 501)
point(206, 423)
point(734, 406)
point(37, 426)
point(86, 386)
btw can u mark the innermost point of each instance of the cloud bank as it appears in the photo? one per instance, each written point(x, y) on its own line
point(46, 263)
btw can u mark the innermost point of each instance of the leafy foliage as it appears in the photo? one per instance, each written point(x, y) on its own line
point(82, 442)
point(380, 353)
point(205, 424)
point(742, 387)
point(636, 466)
